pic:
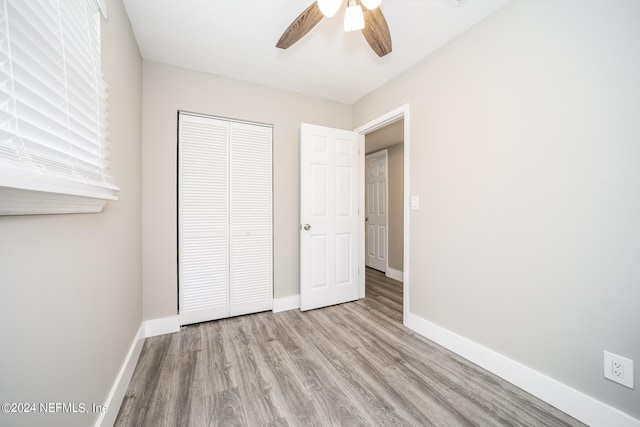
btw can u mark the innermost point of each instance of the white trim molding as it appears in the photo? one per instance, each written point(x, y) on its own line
point(161, 326)
point(120, 385)
point(148, 328)
point(400, 113)
point(394, 274)
point(21, 201)
point(287, 303)
point(573, 402)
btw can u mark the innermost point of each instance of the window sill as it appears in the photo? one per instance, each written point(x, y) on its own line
point(23, 201)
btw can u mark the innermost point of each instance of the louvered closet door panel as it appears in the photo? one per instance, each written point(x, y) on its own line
point(251, 268)
point(203, 255)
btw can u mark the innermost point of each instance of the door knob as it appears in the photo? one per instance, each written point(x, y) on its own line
point(307, 227)
point(366, 218)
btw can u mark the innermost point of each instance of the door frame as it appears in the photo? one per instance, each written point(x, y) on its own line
point(380, 153)
point(392, 116)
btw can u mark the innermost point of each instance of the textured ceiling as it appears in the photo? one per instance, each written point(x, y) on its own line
point(236, 39)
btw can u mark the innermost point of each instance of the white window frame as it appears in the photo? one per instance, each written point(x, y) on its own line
point(53, 118)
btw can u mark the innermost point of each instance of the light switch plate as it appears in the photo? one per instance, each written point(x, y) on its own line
point(415, 202)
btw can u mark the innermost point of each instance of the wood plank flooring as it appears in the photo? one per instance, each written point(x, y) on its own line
point(348, 365)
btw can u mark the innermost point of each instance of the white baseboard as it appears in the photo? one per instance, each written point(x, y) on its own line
point(573, 402)
point(149, 328)
point(120, 385)
point(394, 274)
point(161, 326)
point(287, 303)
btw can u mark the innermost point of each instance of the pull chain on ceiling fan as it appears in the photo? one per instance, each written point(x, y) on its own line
point(371, 21)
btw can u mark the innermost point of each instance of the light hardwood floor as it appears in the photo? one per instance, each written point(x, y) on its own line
point(349, 365)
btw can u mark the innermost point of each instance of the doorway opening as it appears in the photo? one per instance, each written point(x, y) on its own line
point(384, 199)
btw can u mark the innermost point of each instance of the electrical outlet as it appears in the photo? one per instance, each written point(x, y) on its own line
point(618, 369)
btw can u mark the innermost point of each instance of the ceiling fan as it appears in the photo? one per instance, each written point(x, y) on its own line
point(370, 20)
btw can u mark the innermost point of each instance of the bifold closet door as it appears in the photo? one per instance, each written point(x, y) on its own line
point(251, 252)
point(225, 232)
point(203, 218)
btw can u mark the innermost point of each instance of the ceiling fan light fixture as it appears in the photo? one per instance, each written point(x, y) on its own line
point(353, 18)
point(371, 4)
point(329, 7)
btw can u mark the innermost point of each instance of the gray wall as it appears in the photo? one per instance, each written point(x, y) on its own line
point(395, 217)
point(524, 152)
point(71, 285)
point(168, 89)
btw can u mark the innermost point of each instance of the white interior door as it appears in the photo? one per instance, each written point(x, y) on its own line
point(376, 215)
point(329, 216)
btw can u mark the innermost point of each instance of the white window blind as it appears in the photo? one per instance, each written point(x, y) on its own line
point(53, 107)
